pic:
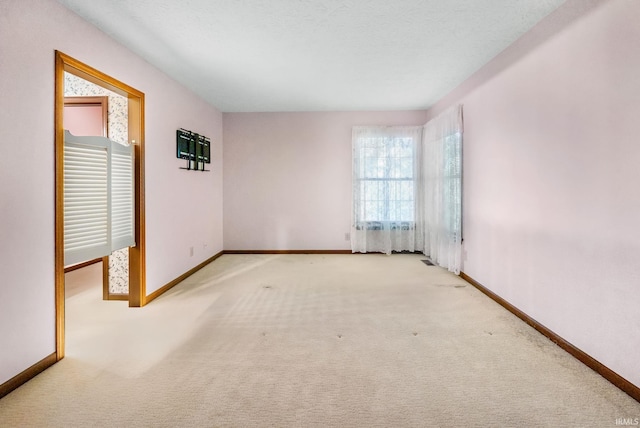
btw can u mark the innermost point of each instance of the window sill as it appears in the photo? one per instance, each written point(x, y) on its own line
point(386, 225)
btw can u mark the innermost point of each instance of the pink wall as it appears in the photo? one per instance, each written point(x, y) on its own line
point(551, 168)
point(287, 177)
point(30, 31)
point(84, 120)
point(551, 155)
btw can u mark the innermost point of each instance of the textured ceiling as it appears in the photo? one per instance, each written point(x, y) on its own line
point(316, 55)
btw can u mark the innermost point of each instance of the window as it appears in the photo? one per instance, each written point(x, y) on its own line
point(384, 179)
point(407, 189)
point(442, 168)
point(452, 183)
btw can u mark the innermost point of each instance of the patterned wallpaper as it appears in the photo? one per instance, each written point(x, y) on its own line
point(117, 131)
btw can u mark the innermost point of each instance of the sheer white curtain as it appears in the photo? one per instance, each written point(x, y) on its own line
point(386, 173)
point(442, 188)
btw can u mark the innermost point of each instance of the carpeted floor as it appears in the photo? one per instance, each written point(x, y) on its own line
point(311, 341)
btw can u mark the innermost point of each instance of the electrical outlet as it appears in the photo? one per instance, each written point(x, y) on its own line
point(190, 251)
point(347, 236)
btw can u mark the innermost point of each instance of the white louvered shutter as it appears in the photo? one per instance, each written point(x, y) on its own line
point(122, 196)
point(98, 198)
point(86, 198)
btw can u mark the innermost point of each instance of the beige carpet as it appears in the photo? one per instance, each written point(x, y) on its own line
point(311, 341)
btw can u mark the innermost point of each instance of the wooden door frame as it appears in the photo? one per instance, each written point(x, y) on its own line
point(137, 259)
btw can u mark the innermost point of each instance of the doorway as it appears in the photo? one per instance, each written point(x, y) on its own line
point(90, 110)
point(135, 98)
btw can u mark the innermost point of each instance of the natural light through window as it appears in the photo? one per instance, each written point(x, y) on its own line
point(407, 189)
point(386, 179)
